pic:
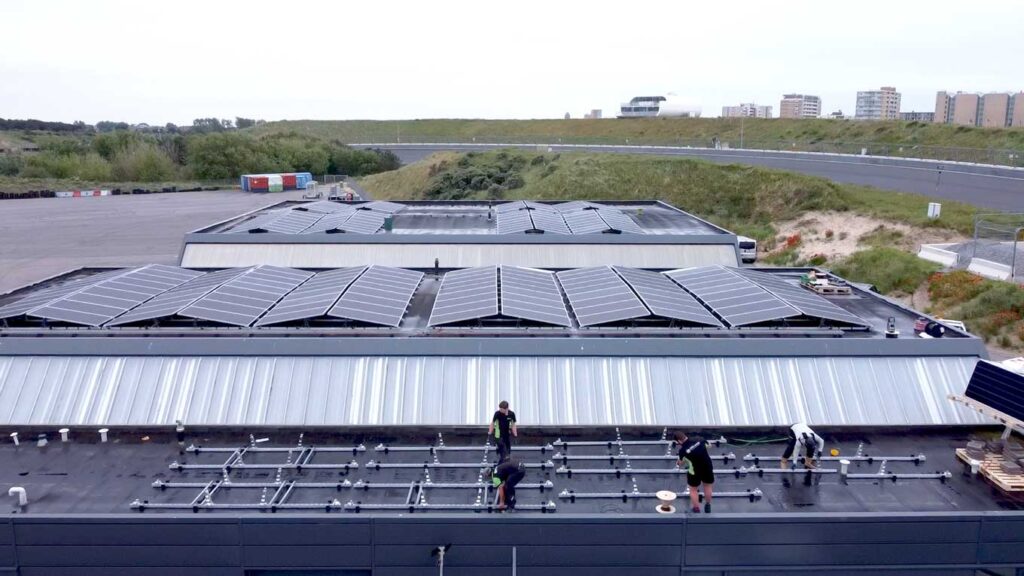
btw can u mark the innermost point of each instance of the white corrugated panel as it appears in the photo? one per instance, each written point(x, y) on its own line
point(462, 255)
point(551, 391)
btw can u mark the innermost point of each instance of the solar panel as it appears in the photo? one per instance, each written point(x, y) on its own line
point(291, 222)
point(363, 222)
point(173, 301)
point(241, 300)
point(539, 206)
point(510, 206)
point(532, 295)
point(380, 296)
point(381, 206)
point(102, 301)
point(466, 295)
point(514, 221)
point(584, 222)
point(257, 222)
point(329, 223)
point(576, 205)
point(619, 220)
point(807, 302)
point(35, 299)
point(549, 221)
point(734, 298)
point(998, 388)
point(314, 297)
point(665, 298)
point(325, 207)
point(598, 295)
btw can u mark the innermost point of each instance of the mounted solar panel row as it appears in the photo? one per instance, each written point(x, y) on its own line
point(584, 221)
point(620, 221)
point(807, 302)
point(381, 206)
point(291, 222)
point(510, 207)
point(598, 296)
point(665, 298)
point(998, 388)
point(467, 294)
point(325, 207)
point(101, 302)
point(363, 222)
point(329, 223)
point(532, 295)
point(313, 298)
point(173, 301)
point(576, 205)
point(514, 221)
point(735, 299)
point(257, 223)
point(380, 296)
point(549, 221)
point(241, 300)
point(34, 300)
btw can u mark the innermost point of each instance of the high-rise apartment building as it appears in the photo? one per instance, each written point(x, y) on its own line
point(750, 110)
point(927, 117)
point(881, 104)
point(993, 110)
point(799, 106)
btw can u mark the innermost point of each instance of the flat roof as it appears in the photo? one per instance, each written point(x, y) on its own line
point(85, 476)
point(860, 315)
point(414, 219)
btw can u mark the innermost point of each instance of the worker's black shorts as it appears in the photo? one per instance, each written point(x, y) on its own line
point(699, 476)
point(790, 446)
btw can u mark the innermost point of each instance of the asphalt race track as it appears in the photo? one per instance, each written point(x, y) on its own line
point(991, 187)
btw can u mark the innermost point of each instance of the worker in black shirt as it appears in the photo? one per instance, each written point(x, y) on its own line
point(694, 458)
point(505, 477)
point(503, 428)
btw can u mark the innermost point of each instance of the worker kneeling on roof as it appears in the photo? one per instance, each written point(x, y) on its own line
point(803, 440)
point(505, 477)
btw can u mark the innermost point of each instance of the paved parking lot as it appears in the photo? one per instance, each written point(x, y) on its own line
point(41, 237)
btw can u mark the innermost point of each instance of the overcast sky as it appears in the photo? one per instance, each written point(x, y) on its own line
point(172, 61)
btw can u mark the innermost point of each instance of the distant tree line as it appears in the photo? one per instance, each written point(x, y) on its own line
point(199, 125)
point(212, 149)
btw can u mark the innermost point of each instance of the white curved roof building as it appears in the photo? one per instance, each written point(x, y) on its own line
point(660, 106)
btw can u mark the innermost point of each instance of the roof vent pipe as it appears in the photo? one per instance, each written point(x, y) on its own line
point(65, 434)
point(20, 493)
point(14, 438)
point(103, 434)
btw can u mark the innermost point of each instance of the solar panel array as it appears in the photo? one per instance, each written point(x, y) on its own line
point(176, 299)
point(243, 299)
point(599, 296)
point(584, 221)
point(329, 223)
point(532, 294)
point(665, 298)
point(36, 299)
point(576, 205)
point(549, 221)
point(321, 216)
point(807, 302)
point(363, 222)
point(513, 221)
point(291, 222)
point(466, 294)
point(510, 206)
point(257, 222)
point(326, 207)
point(381, 206)
point(380, 296)
point(312, 298)
point(998, 388)
point(102, 301)
point(734, 298)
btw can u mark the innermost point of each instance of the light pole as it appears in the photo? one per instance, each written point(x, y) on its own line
point(743, 118)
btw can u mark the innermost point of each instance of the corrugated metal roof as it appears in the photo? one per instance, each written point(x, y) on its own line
point(550, 391)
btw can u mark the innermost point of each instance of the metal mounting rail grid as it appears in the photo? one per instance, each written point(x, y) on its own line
point(572, 496)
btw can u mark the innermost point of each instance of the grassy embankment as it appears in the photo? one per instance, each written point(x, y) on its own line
point(912, 139)
point(746, 199)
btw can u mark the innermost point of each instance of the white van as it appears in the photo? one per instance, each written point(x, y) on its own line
point(748, 249)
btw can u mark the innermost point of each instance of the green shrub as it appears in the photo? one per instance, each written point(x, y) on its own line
point(143, 163)
point(891, 271)
point(10, 164)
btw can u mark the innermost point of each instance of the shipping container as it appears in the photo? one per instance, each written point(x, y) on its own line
point(255, 183)
point(275, 183)
point(302, 179)
point(288, 181)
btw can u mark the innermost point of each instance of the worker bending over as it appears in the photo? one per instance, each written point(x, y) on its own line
point(694, 457)
point(503, 428)
point(803, 440)
point(505, 477)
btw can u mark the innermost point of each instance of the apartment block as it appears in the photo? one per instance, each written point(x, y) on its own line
point(992, 110)
point(750, 110)
point(799, 106)
point(883, 104)
point(927, 117)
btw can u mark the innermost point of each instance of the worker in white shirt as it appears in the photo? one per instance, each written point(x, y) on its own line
point(803, 440)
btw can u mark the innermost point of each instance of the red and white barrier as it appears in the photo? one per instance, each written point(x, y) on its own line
point(82, 193)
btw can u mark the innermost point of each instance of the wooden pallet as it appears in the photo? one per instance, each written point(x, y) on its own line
point(990, 469)
point(829, 290)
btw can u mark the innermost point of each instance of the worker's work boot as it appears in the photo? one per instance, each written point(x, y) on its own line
point(695, 509)
point(707, 508)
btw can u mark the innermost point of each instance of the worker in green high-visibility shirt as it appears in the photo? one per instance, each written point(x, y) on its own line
point(503, 428)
